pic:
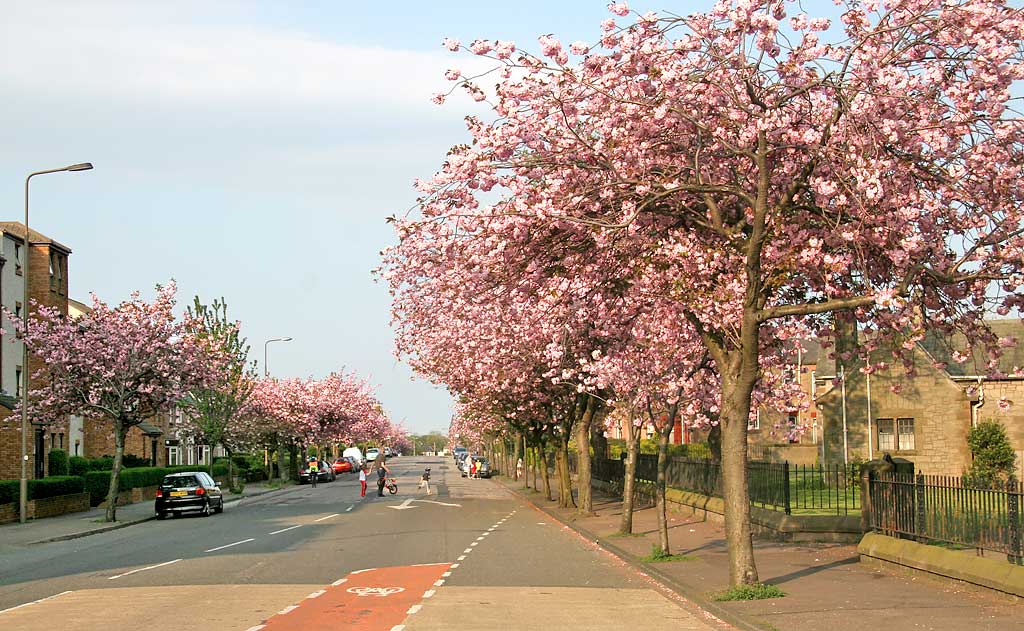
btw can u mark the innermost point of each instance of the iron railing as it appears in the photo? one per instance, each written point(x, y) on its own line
point(773, 485)
point(949, 510)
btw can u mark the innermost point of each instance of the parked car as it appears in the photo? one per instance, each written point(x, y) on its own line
point(345, 465)
point(188, 491)
point(483, 467)
point(459, 453)
point(355, 453)
point(372, 453)
point(325, 473)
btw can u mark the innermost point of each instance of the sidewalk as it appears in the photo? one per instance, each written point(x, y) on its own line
point(74, 525)
point(825, 584)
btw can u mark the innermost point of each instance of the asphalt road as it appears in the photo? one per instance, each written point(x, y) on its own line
point(469, 555)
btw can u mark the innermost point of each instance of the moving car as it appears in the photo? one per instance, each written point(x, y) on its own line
point(372, 453)
point(188, 491)
point(325, 473)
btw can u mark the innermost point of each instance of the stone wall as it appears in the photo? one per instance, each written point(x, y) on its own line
point(46, 507)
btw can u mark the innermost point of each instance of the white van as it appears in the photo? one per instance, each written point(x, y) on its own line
point(353, 452)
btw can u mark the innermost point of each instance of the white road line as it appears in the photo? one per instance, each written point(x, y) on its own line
point(328, 517)
point(256, 628)
point(413, 609)
point(461, 558)
point(338, 582)
point(398, 627)
point(446, 574)
point(467, 550)
point(474, 544)
point(484, 535)
point(230, 544)
point(480, 538)
point(34, 602)
point(369, 569)
point(350, 508)
point(428, 593)
point(142, 569)
point(439, 582)
point(287, 609)
point(319, 592)
point(284, 529)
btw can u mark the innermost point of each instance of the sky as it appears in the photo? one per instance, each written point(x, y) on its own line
point(251, 151)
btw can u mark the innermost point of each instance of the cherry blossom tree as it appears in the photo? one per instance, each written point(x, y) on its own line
point(780, 168)
point(119, 365)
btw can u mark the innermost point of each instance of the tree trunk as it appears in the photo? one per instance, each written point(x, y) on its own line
point(736, 389)
point(565, 499)
point(544, 470)
point(536, 468)
point(231, 470)
point(293, 469)
point(586, 501)
point(282, 465)
point(517, 455)
point(629, 479)
point(115, 473)
point(663, 439)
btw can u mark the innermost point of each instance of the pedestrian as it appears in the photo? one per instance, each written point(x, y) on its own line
point(472, 467)
point(425, 480)
point(382, 474)
point(362, 481)
point(519, 469)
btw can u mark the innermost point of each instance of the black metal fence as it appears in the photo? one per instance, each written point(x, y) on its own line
point(949, 510)
point(772, 485)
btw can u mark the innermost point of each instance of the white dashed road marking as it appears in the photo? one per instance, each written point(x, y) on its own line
point(143, 569)
point(230, 544)
point(285, 529)
point(329, 516)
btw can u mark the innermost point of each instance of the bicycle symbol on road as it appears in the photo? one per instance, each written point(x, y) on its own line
point(375, 591)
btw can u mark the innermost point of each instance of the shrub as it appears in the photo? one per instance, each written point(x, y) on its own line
point(761, 591)
point(78, 465)
point(55, 486)
point(58, 462)
point(132, 461)
point(98, 482)
point(9, 490)
point(993, 454)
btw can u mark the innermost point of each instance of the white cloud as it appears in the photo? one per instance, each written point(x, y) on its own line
point(148, 52)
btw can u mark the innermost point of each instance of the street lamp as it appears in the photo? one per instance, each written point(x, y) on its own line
point(23, 487)
point(266, 369)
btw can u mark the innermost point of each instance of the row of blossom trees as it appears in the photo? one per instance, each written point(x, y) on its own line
point(652, 219)
point(124, 364)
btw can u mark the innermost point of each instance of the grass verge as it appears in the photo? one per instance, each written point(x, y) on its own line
point(658, 555)
point(761, 591)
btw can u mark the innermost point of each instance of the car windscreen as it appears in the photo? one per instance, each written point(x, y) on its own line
point(180, 481)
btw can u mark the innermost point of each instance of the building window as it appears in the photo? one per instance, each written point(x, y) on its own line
point(60, 440)
point(17, 259)
point(17, 309)
point(17, 379)
point(896, 434)
point(173, 456)
point(57, 264)
point(53, 440)
point(755, 424)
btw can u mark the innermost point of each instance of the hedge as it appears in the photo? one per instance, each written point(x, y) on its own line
point(98, 482)
point(40, 489)
point(58, 462)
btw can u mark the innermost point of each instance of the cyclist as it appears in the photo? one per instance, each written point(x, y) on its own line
point(382, 474)
point(314, 470)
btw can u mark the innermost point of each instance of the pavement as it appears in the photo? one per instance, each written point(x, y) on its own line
point(470, 555)
point(85, 523)
point(825, 584)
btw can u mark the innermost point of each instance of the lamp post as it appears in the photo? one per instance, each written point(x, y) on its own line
point(266, 369)
point(23, 487)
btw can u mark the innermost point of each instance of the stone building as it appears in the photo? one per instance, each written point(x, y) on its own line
point(926, 418)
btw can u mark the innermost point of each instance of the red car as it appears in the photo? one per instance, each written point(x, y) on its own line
point(343, 465)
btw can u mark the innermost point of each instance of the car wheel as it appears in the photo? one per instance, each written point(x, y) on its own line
point(220, 507)
point(206, 509)
point(161, 515)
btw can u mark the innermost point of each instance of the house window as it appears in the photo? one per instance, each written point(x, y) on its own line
point(896, 434)
point(173, 456)
point(17, 309)
point(17, 259)
point(791, 427)
point(17, 378)
point(756, 422)
point(60, 440)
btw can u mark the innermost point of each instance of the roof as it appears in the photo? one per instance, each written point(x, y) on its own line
point(18, 229)
point(77, 306)
point(942, 348)
point(8, 401)
point(149, 429)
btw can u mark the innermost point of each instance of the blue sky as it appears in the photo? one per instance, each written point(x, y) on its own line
point(251, 150)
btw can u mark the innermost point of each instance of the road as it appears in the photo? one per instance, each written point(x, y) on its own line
point(471, 555)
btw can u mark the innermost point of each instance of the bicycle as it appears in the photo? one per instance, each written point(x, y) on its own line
point(391, 485)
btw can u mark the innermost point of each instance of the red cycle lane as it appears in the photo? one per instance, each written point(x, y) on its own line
point(376, 600)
